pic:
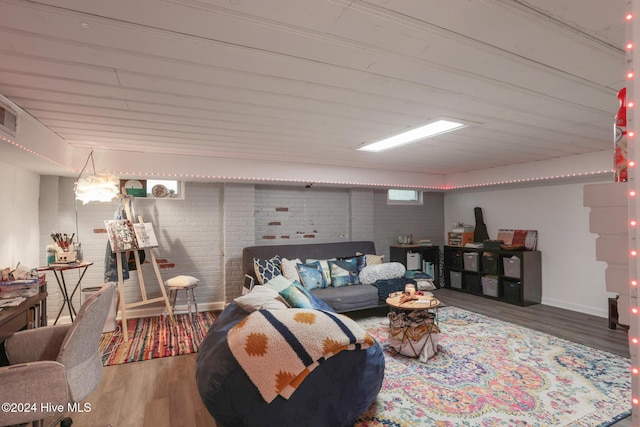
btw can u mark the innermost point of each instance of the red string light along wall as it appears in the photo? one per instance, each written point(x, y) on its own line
point(625, 170)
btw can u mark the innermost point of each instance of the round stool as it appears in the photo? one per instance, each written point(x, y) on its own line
point(186, 283)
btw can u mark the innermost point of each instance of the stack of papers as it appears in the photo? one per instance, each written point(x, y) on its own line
point(11, 302)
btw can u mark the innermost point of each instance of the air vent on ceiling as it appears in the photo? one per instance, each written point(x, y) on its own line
point(7, 120)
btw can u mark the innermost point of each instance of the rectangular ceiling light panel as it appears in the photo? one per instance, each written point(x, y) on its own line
point(426, 131)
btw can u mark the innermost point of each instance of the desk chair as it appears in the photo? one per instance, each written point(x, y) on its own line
point(187, 284)
point(55, 365)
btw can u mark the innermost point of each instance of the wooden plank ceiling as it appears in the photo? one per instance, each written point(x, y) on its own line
point(311, 81)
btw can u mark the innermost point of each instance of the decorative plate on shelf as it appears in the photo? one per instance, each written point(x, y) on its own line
point(159, 191)
point(135, 188)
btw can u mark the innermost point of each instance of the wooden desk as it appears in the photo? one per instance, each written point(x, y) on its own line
point(31, 313)
point(14, 319)
point(58, 271)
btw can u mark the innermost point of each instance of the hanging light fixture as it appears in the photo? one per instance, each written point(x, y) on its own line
point(95, 187)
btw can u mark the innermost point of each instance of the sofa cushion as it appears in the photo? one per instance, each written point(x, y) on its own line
point(372, 259)
point(324, 265)
point(267, 269)
point(311, 275)
point(348, 298)
point(297, 296)
point(261, 298)
point(344, 272)
point(288, 268)
point(390, 270)
point(279, 283)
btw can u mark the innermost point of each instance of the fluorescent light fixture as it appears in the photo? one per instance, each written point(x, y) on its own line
point(426, 131)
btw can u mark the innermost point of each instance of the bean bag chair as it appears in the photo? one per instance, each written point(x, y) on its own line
point(334, 394)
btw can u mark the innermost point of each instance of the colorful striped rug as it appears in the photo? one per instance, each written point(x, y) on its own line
point(155, 337)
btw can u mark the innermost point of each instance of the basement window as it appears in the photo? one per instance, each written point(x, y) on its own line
point(404, 197)
point(164, 188)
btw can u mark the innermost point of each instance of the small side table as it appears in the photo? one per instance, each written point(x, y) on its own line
point(67, 298)
point(418, 319)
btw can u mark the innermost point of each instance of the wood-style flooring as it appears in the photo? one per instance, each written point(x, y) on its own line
point(163, 393)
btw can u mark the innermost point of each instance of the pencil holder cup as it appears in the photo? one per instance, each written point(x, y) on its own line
point(66, 256)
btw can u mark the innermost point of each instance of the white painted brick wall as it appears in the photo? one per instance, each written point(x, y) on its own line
point(188, 233)
point(362, 214)
point(239, 232)
point(292, 215)
point(203, 235)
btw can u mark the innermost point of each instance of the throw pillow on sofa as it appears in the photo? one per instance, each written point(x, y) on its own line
point(324, 265)
point(311, 275)
point(297, 296)
point(390, 270)
point(288, 268)
point(267, 269)
point(344, 272)
point(261, 298)
point(371, 259)
point(279, 283)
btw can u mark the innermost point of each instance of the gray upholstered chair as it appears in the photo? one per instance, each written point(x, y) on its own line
point(55, 365)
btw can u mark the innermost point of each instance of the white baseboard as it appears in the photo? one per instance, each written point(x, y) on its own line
point(599, 312)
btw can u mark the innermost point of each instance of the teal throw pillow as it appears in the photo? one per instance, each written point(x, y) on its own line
point(311, 275)
point(344, 272)
point(324, 264)
point(297, 296)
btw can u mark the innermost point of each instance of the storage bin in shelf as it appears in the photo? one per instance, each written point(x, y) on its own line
point(512, 291)
point(511, 266)
point(490, 286)
point(490, 263)
point(471, 261)
point(455, 279)
point(454, 259)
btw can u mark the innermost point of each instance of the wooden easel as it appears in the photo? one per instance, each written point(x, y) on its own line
point(121, 304)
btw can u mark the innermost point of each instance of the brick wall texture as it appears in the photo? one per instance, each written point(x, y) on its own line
point(203, 233)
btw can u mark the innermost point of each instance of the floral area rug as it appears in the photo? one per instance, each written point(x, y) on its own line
point(491, 373)
point(155, 337)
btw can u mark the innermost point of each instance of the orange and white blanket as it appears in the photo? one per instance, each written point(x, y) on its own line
point(279, 348)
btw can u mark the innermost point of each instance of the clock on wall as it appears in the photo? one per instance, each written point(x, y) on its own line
point(134, 187)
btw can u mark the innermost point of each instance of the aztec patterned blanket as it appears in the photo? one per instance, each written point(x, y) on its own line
point(279, 348)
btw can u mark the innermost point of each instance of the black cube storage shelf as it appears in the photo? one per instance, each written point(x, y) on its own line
point(518, 273)
point(431, 254)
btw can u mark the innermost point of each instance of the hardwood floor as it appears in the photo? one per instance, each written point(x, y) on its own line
point(163, 393)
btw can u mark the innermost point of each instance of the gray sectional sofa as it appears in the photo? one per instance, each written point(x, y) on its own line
point(341, 299)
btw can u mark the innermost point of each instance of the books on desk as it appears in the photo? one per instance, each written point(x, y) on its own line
point(12, 302)
point(18, 288)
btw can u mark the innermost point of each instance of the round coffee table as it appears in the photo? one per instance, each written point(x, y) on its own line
point(413, 328)
point(422, 302)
